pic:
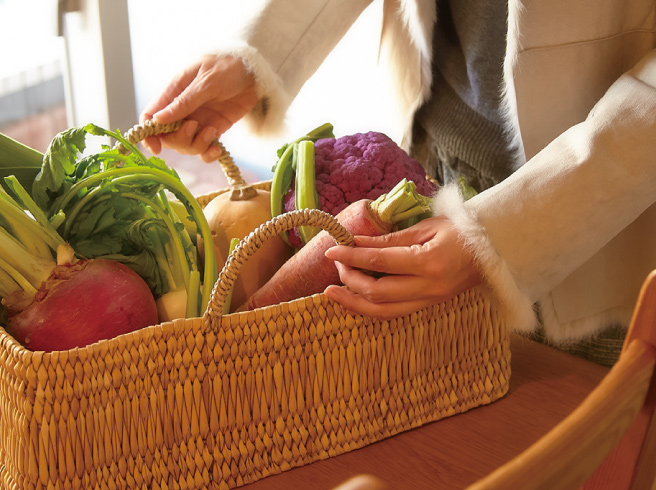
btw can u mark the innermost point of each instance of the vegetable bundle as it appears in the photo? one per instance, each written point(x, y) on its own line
point(112, 205)
point(55, 300)
point(323, 172)
point(116, 206)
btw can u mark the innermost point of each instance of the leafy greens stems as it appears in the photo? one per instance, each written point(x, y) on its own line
point(148, 175)
point(305, 192)
point(28, 249)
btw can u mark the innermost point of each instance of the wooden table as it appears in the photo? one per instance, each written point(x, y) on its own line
point(452, 453)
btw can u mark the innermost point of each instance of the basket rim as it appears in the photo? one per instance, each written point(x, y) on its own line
point(17, 351)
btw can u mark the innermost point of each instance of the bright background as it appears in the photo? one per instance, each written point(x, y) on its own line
point(119, 54)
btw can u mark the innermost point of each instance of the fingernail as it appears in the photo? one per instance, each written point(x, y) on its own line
point(209, 134)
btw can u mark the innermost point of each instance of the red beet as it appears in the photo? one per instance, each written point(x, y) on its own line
point(83, 303)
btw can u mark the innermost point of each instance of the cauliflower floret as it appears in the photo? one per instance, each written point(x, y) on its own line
point(359, 166)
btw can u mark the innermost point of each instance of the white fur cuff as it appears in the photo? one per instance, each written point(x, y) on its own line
point(268, 116)
point(515, 306)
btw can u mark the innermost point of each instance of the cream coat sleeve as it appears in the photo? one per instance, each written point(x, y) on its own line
point(283, 45)
point(566, 203)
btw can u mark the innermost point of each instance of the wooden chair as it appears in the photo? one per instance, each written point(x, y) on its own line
point(608, 441)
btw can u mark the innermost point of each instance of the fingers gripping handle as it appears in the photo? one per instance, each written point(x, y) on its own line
point(140, 132)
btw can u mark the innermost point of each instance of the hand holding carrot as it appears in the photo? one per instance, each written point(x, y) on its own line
point(213, 93)
point(424, 264)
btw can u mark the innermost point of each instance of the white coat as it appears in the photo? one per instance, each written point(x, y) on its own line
point(573, 230)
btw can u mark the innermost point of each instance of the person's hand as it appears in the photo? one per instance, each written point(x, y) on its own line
point(212, 95)
point(423, 265)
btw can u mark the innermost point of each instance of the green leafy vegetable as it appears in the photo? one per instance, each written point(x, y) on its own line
point(114, 205)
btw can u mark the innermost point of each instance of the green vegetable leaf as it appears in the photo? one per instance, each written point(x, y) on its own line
point(59, 165)
point(18, 160)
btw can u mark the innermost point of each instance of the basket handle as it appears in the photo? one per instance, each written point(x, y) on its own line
point(255, 239)
point(239, 188)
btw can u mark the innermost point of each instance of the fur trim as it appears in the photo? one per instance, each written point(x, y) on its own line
point(508, 95)
point(419, 18)
point(514, 305)
point(268, 117)
point(564, 333)
point(406, 47)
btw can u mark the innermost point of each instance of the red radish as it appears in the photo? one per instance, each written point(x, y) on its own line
point(309, 272)
point(83, 303)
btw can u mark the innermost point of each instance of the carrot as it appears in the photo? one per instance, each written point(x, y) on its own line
point(309, 272)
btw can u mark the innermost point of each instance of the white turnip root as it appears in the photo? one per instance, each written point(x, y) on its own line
point(230, 218)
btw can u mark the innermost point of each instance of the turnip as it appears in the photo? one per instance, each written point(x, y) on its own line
point(309, 271)
point(115, 204)
point(82, 303)
point(231, 217)
point(63, 302)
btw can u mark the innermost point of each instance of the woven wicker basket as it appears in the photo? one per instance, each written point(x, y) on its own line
point(221, 401)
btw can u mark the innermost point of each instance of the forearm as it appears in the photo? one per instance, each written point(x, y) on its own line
point(539, 225)
point(581, 191)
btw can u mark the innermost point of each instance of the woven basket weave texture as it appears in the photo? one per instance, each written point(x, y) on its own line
point(174, 406)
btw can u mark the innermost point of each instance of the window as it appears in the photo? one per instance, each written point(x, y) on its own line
point(32, 89)
point(117, 55)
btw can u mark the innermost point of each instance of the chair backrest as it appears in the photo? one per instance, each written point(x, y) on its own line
point(609, 440)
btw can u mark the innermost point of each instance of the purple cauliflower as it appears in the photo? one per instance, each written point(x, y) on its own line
point(359, 166)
